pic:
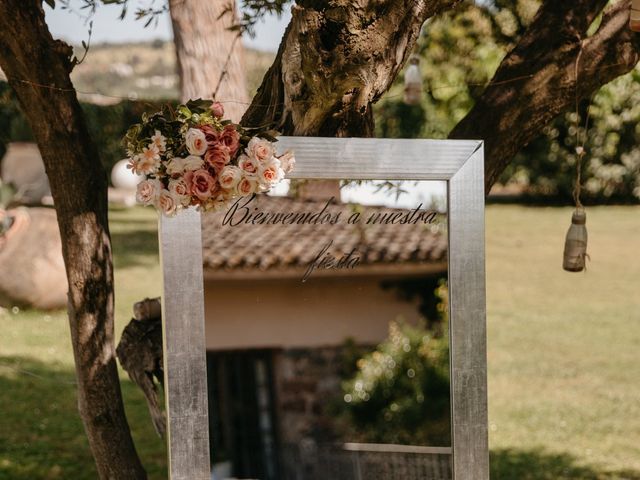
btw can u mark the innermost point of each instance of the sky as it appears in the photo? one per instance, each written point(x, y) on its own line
point(107, 27)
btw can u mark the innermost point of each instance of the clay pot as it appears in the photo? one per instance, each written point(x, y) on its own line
point(32, 270)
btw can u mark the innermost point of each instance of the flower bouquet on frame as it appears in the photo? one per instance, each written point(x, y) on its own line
point(190, 156)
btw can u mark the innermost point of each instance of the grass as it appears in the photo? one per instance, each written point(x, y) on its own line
point(41, 436)
point(564, 395)
point(563, 347)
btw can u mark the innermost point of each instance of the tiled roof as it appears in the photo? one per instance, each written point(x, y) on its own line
point(268, 247)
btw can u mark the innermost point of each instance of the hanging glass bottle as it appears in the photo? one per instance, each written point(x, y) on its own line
point(575, 245)
point(413, 82)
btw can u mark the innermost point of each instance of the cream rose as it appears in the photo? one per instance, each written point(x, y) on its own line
point(175, 166)
point(260, 149)
point(270, 173)
point(147, 191)
point(193, 162)
point(248, 165)
point(196, 141)
point(180, 191)
point(230, 176)
point(287, 162)
point(167, 203)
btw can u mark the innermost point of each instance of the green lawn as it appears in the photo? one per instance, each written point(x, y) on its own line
point(564, 375)
point(564, 348)
point(41, 436)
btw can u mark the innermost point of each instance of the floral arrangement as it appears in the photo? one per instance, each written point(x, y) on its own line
point(190, 156)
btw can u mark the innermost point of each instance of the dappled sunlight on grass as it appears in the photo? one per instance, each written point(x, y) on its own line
point(41, 435)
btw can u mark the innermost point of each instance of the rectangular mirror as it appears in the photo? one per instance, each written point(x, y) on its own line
point(327, 333)
point(336, 326)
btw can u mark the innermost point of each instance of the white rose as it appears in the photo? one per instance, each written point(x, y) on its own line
point(260, 149)
point(166, 203)
point(248, 165)
point(229, 177)
point(196, 141)
point(147, 191)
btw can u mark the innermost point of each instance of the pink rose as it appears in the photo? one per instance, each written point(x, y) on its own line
point(217, 109)
point(147, 191)
point(247, 186)
point(230, 138)
point(248, 165)
point(167, 204)
point(217, 156)
point(210, 134)
point(260, 149)
point(201, 184)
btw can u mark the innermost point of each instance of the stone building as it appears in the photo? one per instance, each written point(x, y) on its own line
point(276, 343)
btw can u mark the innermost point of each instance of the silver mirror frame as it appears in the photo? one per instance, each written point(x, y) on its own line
point(458, 162)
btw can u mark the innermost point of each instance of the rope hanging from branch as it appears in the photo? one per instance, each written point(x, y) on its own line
point(575, 245)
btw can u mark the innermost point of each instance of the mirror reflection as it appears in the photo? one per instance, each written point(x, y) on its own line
point(327, 334)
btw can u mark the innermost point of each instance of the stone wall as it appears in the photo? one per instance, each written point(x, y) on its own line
point(308, 382)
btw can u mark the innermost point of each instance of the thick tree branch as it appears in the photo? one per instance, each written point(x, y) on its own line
point(336, 59)
point(537, 80)
point(37, 68)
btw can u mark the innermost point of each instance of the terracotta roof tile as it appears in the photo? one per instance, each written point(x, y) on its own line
point(267, 246)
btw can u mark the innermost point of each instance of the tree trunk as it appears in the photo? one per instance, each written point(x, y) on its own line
point(37, 68)
point(204, 45)
point(537, 79)
point(335, 62)
point(336, 59)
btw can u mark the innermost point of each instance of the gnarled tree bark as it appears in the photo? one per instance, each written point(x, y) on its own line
point(537, 79)
point(336, 60)
point(205, 47)
point(37, 68)
point(338, 57)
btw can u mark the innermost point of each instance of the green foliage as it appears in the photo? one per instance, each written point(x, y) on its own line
point(611, 166)
point(458, 56)
point(107, 124)
point(400, 391)
point(460, 51)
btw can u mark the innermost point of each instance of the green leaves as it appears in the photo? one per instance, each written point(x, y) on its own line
point(199, 105)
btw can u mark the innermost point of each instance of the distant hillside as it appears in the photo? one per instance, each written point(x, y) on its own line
point(143, 71)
